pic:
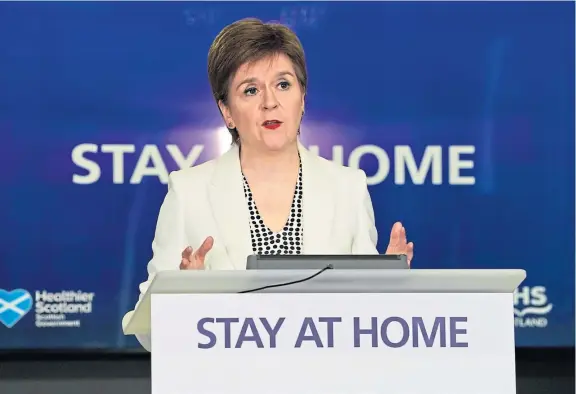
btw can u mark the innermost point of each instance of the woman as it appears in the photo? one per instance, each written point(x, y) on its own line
point(268, 194)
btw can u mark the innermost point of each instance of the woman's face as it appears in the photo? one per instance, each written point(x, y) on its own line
point(265, 103)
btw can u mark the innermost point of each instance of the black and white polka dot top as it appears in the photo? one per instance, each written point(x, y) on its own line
point(287, 241)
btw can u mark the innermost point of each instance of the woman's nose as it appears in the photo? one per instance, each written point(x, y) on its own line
point(269, 101)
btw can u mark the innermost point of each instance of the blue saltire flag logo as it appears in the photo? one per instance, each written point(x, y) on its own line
point(14, 305)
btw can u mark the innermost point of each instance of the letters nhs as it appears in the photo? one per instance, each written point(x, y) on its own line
point(531, 307)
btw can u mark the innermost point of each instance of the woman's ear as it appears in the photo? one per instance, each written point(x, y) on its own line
point(226, 115)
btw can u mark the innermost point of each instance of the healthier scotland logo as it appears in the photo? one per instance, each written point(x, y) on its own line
point(14, 305)
point(65, 308)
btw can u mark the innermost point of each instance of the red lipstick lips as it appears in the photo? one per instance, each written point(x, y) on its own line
point(272, 124)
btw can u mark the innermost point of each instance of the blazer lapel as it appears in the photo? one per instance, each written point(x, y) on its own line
point(231, 212)
point(318, 204)
point(229, 208)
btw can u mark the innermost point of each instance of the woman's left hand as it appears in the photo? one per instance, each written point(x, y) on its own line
point(399, 243)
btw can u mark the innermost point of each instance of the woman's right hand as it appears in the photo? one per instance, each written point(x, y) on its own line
point(194, 259)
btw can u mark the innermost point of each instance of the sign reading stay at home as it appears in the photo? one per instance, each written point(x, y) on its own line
point(333, 344)
point(263, 332)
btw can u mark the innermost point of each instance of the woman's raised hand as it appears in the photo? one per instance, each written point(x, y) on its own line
point(194, 259)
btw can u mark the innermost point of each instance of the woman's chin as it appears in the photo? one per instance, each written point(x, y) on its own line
point(277, 143)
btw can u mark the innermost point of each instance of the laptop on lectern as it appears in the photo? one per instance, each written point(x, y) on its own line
point(318, 262)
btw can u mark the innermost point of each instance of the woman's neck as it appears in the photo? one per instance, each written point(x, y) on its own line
point(270, 165)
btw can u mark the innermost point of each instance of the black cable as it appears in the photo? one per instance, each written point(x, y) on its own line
point(328, 267)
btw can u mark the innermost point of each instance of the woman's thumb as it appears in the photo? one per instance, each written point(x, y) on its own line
point(205, 247)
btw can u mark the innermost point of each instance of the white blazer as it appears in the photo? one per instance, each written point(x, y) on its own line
point(208, 200)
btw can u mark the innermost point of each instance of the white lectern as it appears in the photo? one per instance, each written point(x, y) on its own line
point(344, 331)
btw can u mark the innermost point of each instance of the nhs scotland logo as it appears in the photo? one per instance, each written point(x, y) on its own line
point(14, 305)
point(531, 307)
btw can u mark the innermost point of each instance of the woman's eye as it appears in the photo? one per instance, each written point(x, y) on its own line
point(250, 91)
point(284, 85)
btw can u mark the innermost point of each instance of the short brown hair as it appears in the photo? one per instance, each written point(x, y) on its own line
point(249, 40)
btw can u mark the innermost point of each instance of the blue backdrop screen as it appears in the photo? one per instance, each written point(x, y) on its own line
point(462, 115)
